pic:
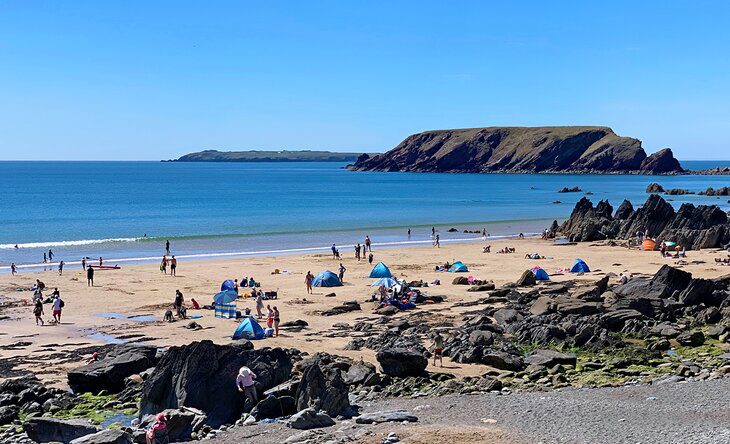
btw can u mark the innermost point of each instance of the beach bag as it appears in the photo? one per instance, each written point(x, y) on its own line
point(62, 304)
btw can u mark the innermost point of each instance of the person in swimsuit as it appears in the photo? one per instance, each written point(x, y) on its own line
point(342, 271)
point(167, 247)
point(277, 319)
point(83, 263)
point(163, 265)
point(13, 269)
point(269, 317)
point(60, 268)
point(438, 349)
point(173, 265)
point(308, 280)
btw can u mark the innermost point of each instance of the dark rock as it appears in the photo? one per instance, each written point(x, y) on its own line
point(461, 280)
point(549, 358)
point(272, 407)
point(654, 188)
point(691, 338)
point(340, 309)
point(8, 414)
point(57, 430)
point(481, 337)
point(201, 375)
point(527, 279)
point(716, 330)
point(109, 372)
point(616, 319)
point(108, 436)
point(482, 287)
point(359, 373)
point(505, 316)
point(386, 416)
point(570, 190)
point(661, 162)
point(310, 419)
point(502, 361)
point(322, 390)
point(401, 362)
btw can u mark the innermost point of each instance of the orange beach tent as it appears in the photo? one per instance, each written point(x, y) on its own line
point(648, 245)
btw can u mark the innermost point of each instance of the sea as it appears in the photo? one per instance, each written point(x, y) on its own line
point(126, 211)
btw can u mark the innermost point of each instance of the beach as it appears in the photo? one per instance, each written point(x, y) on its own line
point(128, 304)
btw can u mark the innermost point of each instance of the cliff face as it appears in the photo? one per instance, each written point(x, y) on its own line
point(521, 149)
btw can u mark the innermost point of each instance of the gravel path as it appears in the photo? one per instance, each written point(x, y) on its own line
point(696, 412)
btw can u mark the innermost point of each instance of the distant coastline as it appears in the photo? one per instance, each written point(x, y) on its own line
point(267, 156)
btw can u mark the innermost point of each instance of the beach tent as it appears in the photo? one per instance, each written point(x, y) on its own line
point(225, 297)
point(327, 279)
point(380, 271)
point(249, 329)
point(648, 245)
point(386, 282)
point(540, 274)
point(458, 267)
point(228, 285)
point(579, 266)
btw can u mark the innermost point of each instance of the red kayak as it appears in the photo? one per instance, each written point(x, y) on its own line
point(105, 267)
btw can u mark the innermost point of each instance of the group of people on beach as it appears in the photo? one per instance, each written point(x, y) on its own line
point(172, 262)
point(54, 299)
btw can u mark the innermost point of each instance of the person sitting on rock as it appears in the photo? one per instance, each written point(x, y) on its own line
point(245, 384)
point(157, 433)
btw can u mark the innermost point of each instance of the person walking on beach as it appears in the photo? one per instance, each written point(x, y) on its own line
point(38, 312)
point(309, 280)
point(259, 304)
point(178, 303)
point(83, 263)
point(368, 244)
point(101, 260)
point(334, 251)
point(342, 271)
point(437, 241)
point(245, 384)
point(277, 320)
point(167, 247)
point(57, 308)
point(13, 269)
point(45, 257)
point(163, 265)
point(438, 348)
point(173, 265)
point(60, 268)
point(90, 276)
point(357, 251)
point(50, 254)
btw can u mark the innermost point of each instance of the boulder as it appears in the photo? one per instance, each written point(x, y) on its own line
point(527, 279)
point(616, 319)
point(310, 419)
point(9, 413)
point(482, 337)
point(691, 338)
point(386, 416)
point(359, 373)
point(41, 429)
point(272, 407)
point(108, 436)
point(502, 360)
point(340, 309)
point(201, 375)
point(482, 287)
point(181, 423)
point(401, 362)
point(323, 390)
point(505, 316)
point(549, 358)
point(461, 280)
point(109, 372)
point(654, 188)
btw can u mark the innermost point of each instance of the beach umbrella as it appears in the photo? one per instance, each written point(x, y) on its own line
point(670, 244)
point(225, 297)
point(386, 282)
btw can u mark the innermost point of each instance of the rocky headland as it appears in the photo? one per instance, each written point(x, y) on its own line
point(568, 149)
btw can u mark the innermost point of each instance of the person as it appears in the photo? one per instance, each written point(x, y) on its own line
point(438, 349)
point(83, 263)
point(433, 232)
point(94, 357)
point(13, 269)
point(45, 257)
point(342, 271)
point(50, 254)
point(235, 285)
point(179, 300)
point(277, 320)
point(623, 278)
point(101, 261)
point(639, 238)
point(40, 285)
point(269, 316)
point(90, 276)
point(173, 265)
point(309, 279)
point(38, 312)
point(334, 251)
point(157, 433)
point(437, 241)
point(56, 293)
point(370, 258)
point(57, 308)
point(522, 235)
point(259, 304)
point(251, 282)
point(246, 385)
point(409, 232)
point(60, 268)
point(357, 251)
point(163, 265)
point(368, 244)
point(167, 247)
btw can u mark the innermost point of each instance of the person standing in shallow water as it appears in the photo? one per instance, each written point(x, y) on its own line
point(45, 258)
point(368, 244)
point(60, 268)
point(167, 247)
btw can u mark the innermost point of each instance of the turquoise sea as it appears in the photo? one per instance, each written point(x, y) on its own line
point(124, 211)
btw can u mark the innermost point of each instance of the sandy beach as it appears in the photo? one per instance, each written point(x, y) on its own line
point(140, 291)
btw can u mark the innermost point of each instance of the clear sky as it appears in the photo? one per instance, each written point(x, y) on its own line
point(156, 79)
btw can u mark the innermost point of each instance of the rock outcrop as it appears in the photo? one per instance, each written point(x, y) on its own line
point(521, 149)
point(57, 430)
point(692, 227)
point(109, 372)
point(202, 375)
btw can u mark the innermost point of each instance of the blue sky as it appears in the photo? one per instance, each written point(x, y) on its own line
point(154, 80)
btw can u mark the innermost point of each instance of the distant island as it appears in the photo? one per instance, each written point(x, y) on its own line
point(549, 149)
point(267, 156)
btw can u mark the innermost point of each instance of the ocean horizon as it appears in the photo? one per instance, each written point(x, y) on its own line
point(125, 211)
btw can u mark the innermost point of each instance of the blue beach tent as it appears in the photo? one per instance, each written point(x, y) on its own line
point(458, 267)
point(327, 279)
point(386, 282)
point(579, 266)
point(249, 329)
point(540, 274)
point(380, 271)
point(228, 285)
